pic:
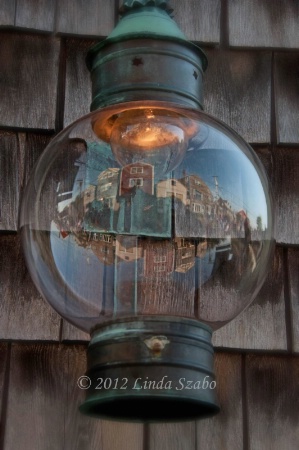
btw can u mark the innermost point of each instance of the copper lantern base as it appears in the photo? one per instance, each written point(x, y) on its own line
point(151, 369)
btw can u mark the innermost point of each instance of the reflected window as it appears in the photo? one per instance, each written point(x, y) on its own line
point(160, 259)
point(136, 170)
point(160, 268)
point(135, 182)
point(105, 237)
point(124, 249)
point(187, 254)
point(109, 201)
point(197, 208)
point(106, 186)
point(197, 194)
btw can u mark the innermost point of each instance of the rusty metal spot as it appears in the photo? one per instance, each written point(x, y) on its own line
point(156, 344)
point(137, 61)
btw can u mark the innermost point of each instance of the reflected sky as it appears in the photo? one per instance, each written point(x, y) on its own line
point(237, 179)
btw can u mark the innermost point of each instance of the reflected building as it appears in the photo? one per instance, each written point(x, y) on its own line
point(225, 217)
point(240, 219)
point(128, 248)
point(201, 248)
point(107, 187)
point(172, 188)
point(82, 238)
point(137, 176)
point(104, 247)
point(89, 195)
point(129, 200)
point(184, 255)
point(224, 210)
point(199, 195)
point(159, 258)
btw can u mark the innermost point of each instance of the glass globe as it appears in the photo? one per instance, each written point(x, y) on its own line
point(147, 209)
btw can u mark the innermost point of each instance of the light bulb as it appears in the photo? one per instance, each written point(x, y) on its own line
point(155, 136)
point(148, 256)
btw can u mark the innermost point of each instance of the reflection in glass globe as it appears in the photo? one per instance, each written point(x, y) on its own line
point(155, 136)
point(147, 211)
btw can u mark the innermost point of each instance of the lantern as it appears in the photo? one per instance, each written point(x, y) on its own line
point(148, 223)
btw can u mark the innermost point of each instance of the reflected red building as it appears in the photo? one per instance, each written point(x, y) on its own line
point(103, 246)
point(159, 258)
point(128, 248)
point(137, 176)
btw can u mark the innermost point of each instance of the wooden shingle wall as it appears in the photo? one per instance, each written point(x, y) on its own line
point(252, 84)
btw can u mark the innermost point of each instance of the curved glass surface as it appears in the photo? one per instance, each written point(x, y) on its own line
point(182, 230)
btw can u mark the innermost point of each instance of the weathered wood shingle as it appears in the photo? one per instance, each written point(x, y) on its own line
point(191, 15)
point(120, 436)
point(78, 83)
point(32, 146)
point(71, 333)
point(7, 12)
point(23, 313)
point(237, 90)
point(287, 97)
point(38, 15)
point(28, 82)
point(4, 351)
point(92, 18)
point(293, 270)
point(285, 182)
point(18, 154)
point(262, 325)
point(168, 436)
point(273, 397)
point(37, 397)
point(9, 180)
point(43, 404)
point(226, 429)
point(264, 23)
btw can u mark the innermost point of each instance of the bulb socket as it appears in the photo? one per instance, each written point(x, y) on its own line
point(146, 69)
point(151, 369)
